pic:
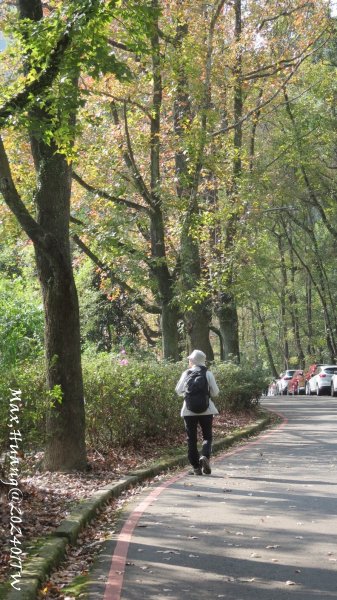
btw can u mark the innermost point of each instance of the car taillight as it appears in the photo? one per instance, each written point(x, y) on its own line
point(322, 374)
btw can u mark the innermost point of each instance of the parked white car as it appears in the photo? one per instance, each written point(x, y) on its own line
point(334, 385)
point(282, 382)
point(320, 382)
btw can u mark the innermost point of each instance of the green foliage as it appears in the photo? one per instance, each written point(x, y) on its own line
point(107, 316)
point(21, 322)
point(240, 386)
point(71, 39)
point(30, 379)
point(55, 396)
point(127, 401)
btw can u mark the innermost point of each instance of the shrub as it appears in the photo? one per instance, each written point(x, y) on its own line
point(126, 401)
point(21, 323)
point(29, 378)
point(240, 386)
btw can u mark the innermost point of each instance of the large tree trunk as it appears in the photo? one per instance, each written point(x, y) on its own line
point(165, 281)
point(197, 324)
point(226, 310)
point(65, 445)
point(229, 327)
point(170, 336)
point(197, 317)
point(159, 269)
point(65, 448)
point(165, 288)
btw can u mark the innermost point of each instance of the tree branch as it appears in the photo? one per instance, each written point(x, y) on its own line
point(15, 203)
point(150, 308)
point(129, 158)
point(286, 149)
point(279, 65)
point(273, 96)
point(47, 76)
point(107, 196)
point(147, 331)
point(285, 13)
point(310, 189)
point(119, 45)
point(122, 100)
point(136, 172)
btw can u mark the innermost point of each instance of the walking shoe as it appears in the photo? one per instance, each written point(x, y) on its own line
point(204, 465)
point(195, 471)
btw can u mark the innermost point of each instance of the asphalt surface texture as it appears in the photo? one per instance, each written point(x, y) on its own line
point(262, 526)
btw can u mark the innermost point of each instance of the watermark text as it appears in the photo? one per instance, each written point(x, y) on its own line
point(14, 493)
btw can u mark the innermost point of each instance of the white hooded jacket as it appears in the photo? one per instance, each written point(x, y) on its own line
point(213, 389)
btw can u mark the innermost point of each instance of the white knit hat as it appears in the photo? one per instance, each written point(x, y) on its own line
point(197, 357)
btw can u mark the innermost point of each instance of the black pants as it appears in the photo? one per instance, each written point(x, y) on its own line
point(191, 426)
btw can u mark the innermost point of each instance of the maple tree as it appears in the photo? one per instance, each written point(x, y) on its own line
point(56, 46)
point(193, 126)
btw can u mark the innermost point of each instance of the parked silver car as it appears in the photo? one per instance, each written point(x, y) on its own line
point(320, 382)
point(334, 385)
point(283, 380)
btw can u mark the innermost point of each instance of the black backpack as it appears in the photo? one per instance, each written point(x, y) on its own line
point(197, 390)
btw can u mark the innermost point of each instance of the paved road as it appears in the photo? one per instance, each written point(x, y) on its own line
point(263, 526)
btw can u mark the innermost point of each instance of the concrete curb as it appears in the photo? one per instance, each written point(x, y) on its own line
point(53, 549)
point(38, 567)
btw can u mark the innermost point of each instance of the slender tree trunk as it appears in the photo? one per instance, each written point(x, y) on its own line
point(226, 305)
point(170, 311)
point(321, 293)
point(197, 318)
point(164, 288)
point(159, 270)
point(266, 340)
point(294, 313)
point(308, 295)
point(283, 295)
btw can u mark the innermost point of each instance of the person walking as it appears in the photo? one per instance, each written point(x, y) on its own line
point(198, 386)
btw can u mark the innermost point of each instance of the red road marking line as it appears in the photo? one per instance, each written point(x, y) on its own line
point(114, 584)
point(116, 574)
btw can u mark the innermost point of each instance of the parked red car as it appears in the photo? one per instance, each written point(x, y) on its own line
point(296, 384)
point(307, 375)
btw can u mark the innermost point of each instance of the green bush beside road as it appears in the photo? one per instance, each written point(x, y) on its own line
point(126, 400)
